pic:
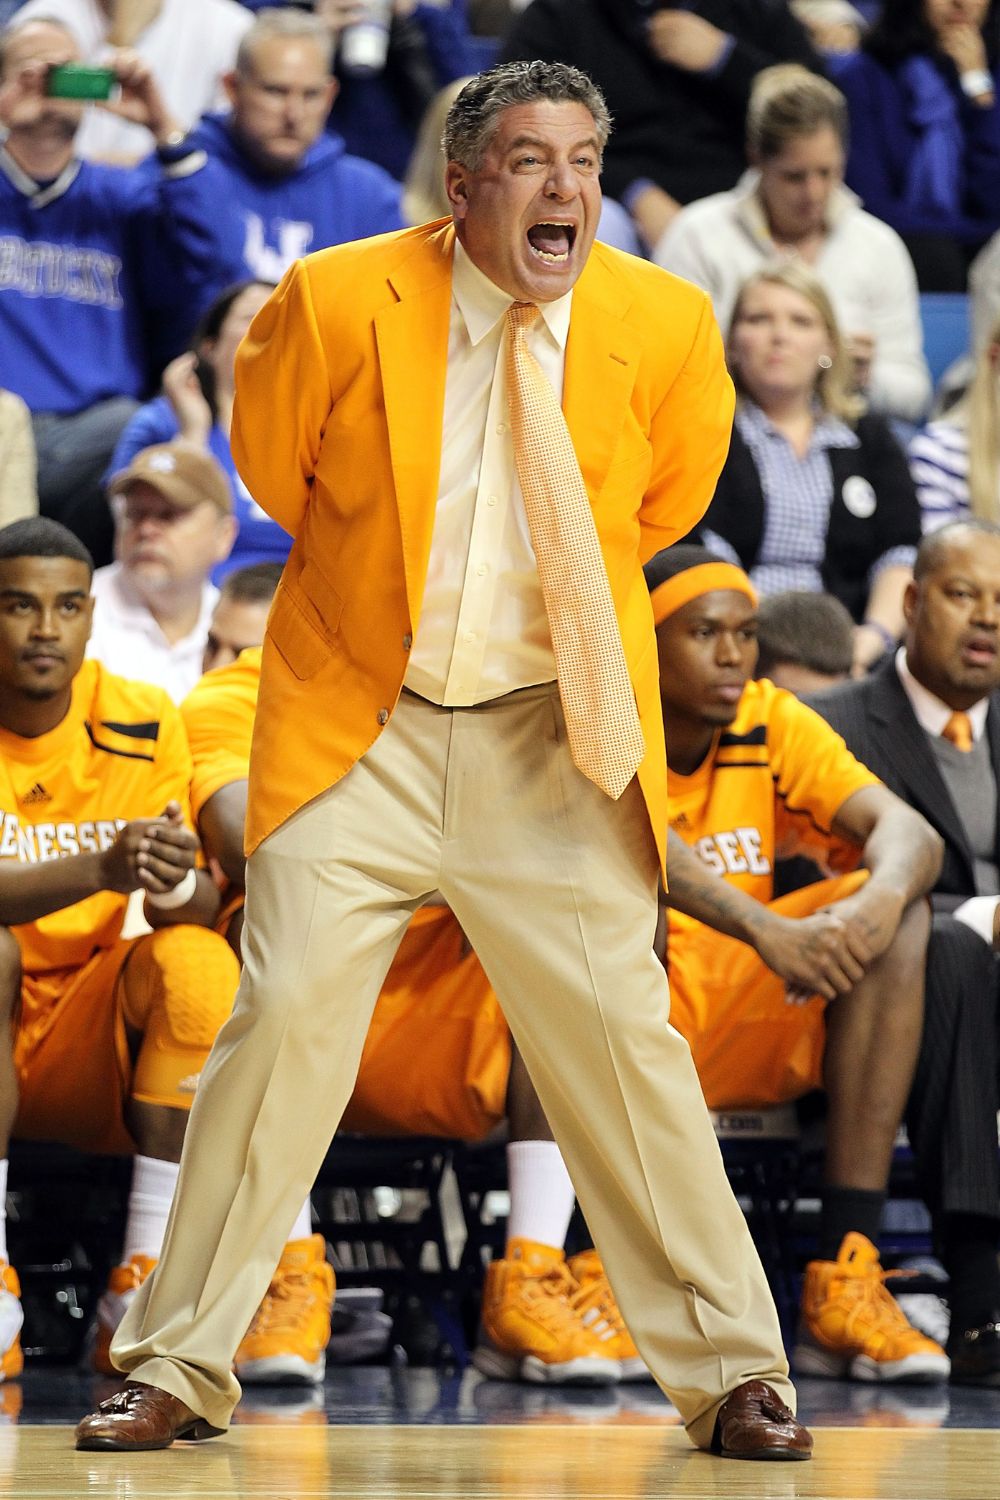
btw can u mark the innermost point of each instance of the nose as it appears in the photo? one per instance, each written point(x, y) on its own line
point(46, 626)
point(727, 651)
point(987, 612)
point(561, 183)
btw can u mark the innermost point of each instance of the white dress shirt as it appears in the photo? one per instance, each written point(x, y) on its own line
point(932, 715)
point(483, 629)
point(129, 642)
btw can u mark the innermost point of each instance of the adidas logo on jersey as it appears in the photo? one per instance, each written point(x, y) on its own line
point(35, 795)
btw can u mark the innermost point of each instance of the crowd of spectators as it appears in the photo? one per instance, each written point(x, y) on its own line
point(817, 167)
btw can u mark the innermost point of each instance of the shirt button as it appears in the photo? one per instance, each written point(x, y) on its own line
point(470, 636)
point(482, 569)
point(407, 641)
point(501, 428)
point(383, 716)
point(492, 500)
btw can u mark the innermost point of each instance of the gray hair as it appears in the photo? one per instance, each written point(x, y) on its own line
point(472, 119)
point(19, 24)
point(272, 22)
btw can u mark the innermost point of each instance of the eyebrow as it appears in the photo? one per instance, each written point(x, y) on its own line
point(13, 594)
point(520, 141)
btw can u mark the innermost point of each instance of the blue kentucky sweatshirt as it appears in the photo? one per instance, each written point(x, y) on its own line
point(264, 221)
point(90, 264)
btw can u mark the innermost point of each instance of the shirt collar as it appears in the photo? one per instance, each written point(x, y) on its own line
point(37, 195)
point(931, 714)
point(482, 304)
point(750, 207)
point(828, 432)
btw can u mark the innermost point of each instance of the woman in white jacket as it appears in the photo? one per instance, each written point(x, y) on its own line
point(792, 204)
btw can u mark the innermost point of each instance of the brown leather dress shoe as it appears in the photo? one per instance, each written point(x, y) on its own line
point(754, 1423)
point(139, 1417)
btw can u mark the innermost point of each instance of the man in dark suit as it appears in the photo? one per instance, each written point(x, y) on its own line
point(927, 721)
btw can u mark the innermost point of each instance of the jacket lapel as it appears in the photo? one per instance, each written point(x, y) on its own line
point(412, 340)
point(993, 737)
point(906, 744)
point(602, 362)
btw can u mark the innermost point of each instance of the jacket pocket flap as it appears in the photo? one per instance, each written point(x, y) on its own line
point(296, 637)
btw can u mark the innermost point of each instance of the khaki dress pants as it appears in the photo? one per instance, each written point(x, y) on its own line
point(555, 887)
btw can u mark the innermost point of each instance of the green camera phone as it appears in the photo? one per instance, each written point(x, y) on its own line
point(76, 81)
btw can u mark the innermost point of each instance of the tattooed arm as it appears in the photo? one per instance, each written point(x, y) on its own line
point(824, 954)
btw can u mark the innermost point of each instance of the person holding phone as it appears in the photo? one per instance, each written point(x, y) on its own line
point(187, 44)
point(98, 259)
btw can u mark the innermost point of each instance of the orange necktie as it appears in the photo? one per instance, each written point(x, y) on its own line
point(602, 721)
point(959, 731)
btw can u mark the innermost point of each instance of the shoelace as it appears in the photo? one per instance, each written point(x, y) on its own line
point(551, 1295)
point(595, 1303)
point(282, 1309)
point(870, 1294)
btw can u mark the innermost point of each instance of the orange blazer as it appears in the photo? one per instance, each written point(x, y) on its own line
point(336, 432)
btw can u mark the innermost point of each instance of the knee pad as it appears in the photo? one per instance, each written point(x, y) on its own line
point(180, 983)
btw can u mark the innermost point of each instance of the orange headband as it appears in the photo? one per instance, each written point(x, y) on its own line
point(668, 597)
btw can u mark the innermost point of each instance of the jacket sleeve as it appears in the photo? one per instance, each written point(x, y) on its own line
point(982, 159)
point(689, 436)
point(283, 401)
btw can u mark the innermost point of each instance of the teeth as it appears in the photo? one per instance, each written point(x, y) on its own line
point(554, 260)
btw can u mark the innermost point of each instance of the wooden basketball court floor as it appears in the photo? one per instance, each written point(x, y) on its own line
point(383, 1434)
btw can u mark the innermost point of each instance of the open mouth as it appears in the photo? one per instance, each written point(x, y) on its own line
point(552, 241)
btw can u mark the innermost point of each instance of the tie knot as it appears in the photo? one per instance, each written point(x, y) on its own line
point(522, 316)
point(959, 731)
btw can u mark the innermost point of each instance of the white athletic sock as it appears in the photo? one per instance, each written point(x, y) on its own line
point(303, 1226)
point(541, 1194)
point(3, 1209)
point(153, 1184)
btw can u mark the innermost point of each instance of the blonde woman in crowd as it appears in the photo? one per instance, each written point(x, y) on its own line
point(816, 492)
point(18, 486)
point(792, 204)
point(955, 460)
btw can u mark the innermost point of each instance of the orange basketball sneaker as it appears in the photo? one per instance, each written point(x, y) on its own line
point(123, 1283)
point(11, 1319)
point(594, 1296)
point(852, 1328)
point(531, 1328)
point(286, 1342)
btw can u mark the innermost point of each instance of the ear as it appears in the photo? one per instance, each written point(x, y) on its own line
point(911, 595)
point(231, 84)
point(226, 537)
point(457, 188)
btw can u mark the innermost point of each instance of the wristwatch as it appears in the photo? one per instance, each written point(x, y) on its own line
point(174, 147)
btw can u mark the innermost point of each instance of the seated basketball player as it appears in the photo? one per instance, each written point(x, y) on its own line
point(106, 1036)
point(438, 1061)
point(821, 988)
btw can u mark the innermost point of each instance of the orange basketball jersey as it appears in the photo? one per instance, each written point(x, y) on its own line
point(120, 753)
point(769, 788)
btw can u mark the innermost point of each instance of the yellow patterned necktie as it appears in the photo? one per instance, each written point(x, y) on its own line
point(959, 731)
point(602, 722)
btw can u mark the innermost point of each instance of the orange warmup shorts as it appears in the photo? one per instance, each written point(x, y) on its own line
point(751, 1047)
point(173, 988)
